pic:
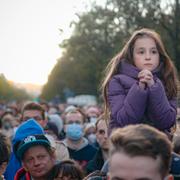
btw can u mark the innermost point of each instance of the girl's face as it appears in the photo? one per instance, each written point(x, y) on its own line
point(145, 54)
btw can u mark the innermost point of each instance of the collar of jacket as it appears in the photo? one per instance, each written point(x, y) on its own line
point(132, 71)
point(22, 173)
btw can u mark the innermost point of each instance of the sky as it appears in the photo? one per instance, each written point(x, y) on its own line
point(30, 36)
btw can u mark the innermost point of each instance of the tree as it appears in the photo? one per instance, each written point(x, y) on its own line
point(101, 32)
point(9, 92)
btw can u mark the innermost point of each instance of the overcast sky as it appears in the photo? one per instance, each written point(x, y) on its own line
point(29, 36)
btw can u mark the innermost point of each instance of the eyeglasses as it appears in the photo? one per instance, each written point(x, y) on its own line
point(72, 122)
point(37, 118)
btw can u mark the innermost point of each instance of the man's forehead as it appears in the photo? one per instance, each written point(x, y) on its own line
point(38, 149)
point(74, 116)
point(145, 170)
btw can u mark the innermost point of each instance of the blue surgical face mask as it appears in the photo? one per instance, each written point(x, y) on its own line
point(74, 131)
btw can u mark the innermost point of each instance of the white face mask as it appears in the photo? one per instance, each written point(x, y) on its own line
point(93, 120)
point(92, 138)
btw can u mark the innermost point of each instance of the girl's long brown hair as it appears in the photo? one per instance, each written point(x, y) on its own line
point(168, 71)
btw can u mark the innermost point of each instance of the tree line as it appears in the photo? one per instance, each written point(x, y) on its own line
point(100, 33)
point(9, 92)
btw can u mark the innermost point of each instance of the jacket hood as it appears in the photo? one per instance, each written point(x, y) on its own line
point(30, 127)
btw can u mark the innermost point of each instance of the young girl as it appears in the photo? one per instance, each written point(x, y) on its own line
point(140, 84)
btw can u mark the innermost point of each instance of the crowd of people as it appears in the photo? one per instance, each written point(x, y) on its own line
point(73, 142)
point(136, 136)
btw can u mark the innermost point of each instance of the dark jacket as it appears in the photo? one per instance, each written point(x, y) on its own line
point(82, 155)
point(96, 163)
point(129, 104)
point(175, 165)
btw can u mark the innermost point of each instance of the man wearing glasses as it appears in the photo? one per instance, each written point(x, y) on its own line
point(35, 111)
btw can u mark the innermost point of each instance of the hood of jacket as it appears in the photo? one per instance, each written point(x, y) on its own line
point(30, 127)
point(27, 128)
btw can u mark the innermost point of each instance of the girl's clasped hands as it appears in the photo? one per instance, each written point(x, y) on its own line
point(145, 78)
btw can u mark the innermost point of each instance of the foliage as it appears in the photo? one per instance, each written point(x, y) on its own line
point(9, 92)
point(100, 33)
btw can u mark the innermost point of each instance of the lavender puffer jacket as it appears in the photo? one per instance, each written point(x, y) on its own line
point(129, 104)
